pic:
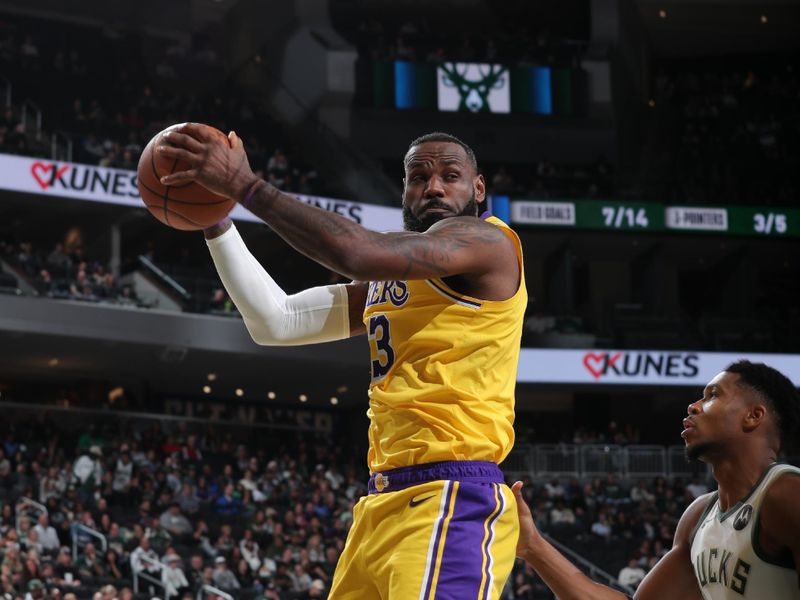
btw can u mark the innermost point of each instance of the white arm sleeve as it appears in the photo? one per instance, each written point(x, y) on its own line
point(315, 315)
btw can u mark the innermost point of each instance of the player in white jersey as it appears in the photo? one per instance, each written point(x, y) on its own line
point(742, 541)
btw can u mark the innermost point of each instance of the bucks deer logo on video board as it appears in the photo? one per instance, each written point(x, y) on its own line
point(474, 87)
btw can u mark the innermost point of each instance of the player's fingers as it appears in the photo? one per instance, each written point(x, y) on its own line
point(516, 488)
point(173, 152)
point(181, 140)
point(180, 177)
point(197, 131)
point(236, 141)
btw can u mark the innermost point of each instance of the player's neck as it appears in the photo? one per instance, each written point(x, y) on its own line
point(738, 472)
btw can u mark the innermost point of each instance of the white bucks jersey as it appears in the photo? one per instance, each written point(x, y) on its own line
point(726, 554)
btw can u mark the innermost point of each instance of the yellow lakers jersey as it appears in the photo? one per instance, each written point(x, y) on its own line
point(443, 369)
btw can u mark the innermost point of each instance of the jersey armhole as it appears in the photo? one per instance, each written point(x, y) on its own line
point(785, 561)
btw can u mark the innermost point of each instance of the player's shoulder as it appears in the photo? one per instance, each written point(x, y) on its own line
point(691, 517)
point(469, 230)
point(779, 516)
point(783, 492)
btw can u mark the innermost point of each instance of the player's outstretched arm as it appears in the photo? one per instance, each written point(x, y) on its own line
point(273, 318)
point(671, 578)
point(454, 246)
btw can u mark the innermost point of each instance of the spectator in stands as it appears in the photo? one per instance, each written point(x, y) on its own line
point(66, 572)
point(278, 169)
point(36, 590)
point(187, 499)
point(172, 576)
point(196, 570)
point(554, 489)
point(177, 525)
point(144, 558)
point(602, 527)
point(244, 574)
point(224, 579)
point(225, 542)
point(88, 563)
point(632, 574)
point(52, 485)
point(561, 515)
point(48, 537)
point(111, 564)
point(158, 536)
point(228, 504)
point(88, 474)
point(696, 488)
point(249, 550)
point(123, 472)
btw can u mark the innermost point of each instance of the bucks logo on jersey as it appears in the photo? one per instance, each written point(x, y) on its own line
point(474, 87)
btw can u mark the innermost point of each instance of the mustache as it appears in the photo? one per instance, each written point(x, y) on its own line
point(436, 204)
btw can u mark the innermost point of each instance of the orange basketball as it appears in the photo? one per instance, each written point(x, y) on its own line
point(189, 206)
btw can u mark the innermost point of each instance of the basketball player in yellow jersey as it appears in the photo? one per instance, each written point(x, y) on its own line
point(442, 306)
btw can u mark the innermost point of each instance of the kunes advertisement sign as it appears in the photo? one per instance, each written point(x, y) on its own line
point(118, 186)
point(640, 367)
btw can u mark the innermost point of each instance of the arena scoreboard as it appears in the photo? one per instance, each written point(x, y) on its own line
point(595, 215)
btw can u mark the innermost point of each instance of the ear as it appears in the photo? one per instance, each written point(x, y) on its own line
point(755, 416)
point(480, 189)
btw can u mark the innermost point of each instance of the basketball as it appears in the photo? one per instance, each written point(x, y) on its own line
point(188, 207)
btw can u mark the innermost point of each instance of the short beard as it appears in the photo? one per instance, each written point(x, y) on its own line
point(698, 451)
point(412, 223)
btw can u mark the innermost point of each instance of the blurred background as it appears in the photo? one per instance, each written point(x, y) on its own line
point(646, 151)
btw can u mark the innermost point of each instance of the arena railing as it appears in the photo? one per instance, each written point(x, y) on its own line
point(643, 461)
point(555, 459)
point(154, 581)
point(26, 507)
point(207, 590)
point(591, 569)
point(172, 285)
point(31, 111)
point(78, 528)
point(597, 460)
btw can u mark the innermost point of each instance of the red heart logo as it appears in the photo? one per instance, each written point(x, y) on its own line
point(591, 357)
point(45, 179)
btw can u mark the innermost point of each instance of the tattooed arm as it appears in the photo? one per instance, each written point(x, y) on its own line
point(453, 246)
point(465, 246)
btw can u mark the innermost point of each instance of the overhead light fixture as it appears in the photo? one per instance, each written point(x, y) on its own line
point(651, 103)
point(302, 398)
point(206, 389)
point(662, 14)
point(334, 400)
point(211, 376)
point(53, 362)
point(764, 19)
point(271, 395)
point(239, 392)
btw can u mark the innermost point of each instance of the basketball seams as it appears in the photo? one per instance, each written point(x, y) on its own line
point(178, 200)
point(157, 178)
point(169, 206)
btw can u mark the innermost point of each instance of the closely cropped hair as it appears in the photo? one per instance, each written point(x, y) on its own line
point(438, 136)
point(778, 391)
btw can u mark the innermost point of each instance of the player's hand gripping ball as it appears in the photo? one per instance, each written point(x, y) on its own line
point(188, 205)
